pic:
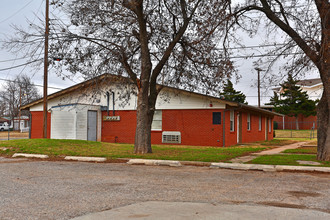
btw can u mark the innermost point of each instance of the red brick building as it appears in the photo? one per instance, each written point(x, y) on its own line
point(289, 123)
point(98, 110)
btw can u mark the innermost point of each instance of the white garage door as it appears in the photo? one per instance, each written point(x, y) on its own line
point(63, 125)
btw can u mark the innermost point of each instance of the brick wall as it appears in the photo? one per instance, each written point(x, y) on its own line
point(122, 131)
point(231, 136)
point(270, 132)
point(37, 124)
point(196, 127)
point(253, 134)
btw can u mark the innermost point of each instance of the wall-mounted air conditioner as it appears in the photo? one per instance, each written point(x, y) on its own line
point(171, 137)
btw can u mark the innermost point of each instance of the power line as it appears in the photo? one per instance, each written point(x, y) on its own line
point(13, 67)
point(263, 55)
point(8, 80)
point(253, 46)
point(31, 44)
point(6, 19)
point(21, 58)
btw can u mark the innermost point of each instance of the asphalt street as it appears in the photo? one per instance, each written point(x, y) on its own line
point(64, 190)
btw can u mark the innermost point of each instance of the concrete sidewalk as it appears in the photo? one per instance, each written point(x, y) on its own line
point(280, 149)
point(189, 210)
point(273, 151)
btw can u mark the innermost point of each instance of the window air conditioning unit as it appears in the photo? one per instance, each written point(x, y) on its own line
point(171, 137)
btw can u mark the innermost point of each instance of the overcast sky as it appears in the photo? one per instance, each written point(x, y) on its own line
point(16, 12)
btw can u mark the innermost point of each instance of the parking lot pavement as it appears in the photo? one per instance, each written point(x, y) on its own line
point(63, 190)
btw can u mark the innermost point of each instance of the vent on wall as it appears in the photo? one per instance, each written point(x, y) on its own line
point(171, 137)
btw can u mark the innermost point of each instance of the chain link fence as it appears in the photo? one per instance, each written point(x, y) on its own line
point(295, 129)
point(16, 129)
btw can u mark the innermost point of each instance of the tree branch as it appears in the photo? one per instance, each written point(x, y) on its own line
point(291, 32)
point(172, 44)
point(284, 27)
point(128, 69)
point(283, 12)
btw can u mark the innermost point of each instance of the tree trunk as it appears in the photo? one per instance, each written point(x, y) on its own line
point(323, 129)
point(323, 117)
point(143, 124)
point(297, 123)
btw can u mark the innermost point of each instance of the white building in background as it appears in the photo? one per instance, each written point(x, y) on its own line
point(313, 87)
point(21, 124)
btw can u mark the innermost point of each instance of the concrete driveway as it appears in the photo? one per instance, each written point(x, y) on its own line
point(64, 190)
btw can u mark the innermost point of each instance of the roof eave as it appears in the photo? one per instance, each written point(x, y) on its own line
point(257, 109)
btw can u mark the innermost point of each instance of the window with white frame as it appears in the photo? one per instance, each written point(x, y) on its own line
point(270, 125)
point(157, 121)
point(260, 123)
point(232, 122)
point(248, 122)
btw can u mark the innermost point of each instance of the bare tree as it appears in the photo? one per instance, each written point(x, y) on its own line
point(155, 42)
point(20, 87)
point(306, 45)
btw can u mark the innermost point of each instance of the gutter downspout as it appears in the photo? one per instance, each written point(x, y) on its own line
point(108, 100)
point(113, 103)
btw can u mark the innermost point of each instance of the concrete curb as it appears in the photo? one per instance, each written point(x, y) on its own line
point(86, 159)
point(174, 163)
point(195, 163)
point(302, 168)
point(41, 156)
point(171, 163)
point(239, 166)
point(269, 168)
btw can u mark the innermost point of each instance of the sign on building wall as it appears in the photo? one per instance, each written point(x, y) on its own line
point(111, 118)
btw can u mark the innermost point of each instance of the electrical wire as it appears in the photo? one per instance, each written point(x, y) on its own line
point(31, 44)
point(13, 67)
point(6, 19)
point(21, 58)
point(8, 80)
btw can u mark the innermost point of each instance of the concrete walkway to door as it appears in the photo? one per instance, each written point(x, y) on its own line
point(273, 151)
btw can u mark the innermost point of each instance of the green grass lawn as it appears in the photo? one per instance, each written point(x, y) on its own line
point(286, 160)
point(59, 148)
point(279, 142)
point(302, 150)
point(306, 153)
